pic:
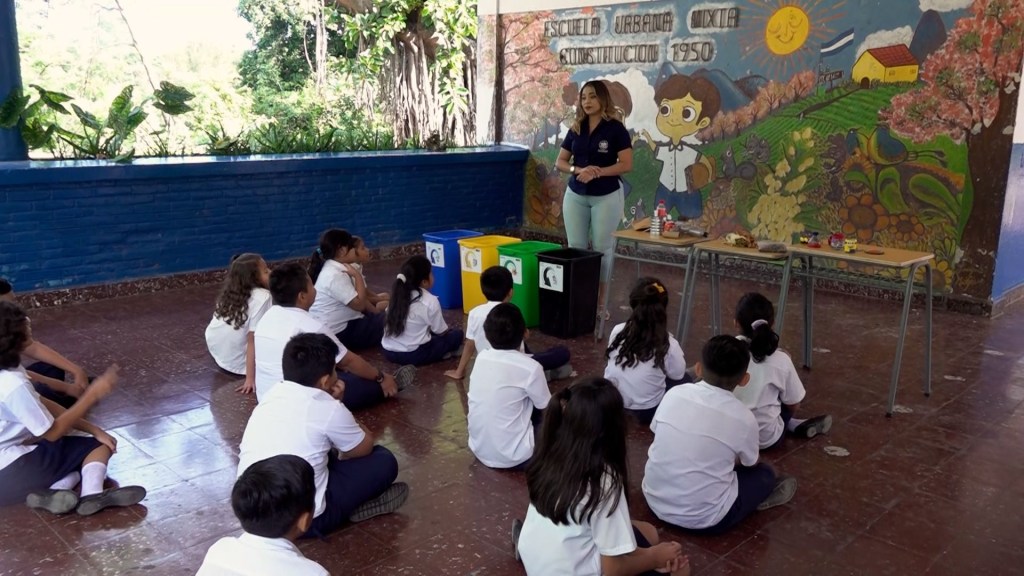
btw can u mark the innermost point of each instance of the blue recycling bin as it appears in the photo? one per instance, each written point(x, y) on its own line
point(443, 253)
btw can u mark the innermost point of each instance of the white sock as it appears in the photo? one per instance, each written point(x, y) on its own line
point(68, 482)
point(93, 475)
point(793, 423)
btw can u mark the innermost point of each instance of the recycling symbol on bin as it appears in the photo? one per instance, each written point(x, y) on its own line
point(471, 261)
point(435, 256)
point(551, 276)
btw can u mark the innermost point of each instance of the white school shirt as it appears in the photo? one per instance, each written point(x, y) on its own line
point(226, 343)
point(699, 433)
point(251, 555)
point(773, 382)
point(22, 415)
point(272, 334)
point(504, 388)
point(424, 319)
point(475, 325)
point(675, 162)
point(549, 549)
point(334, 290)
point(299, 420)
point(642, 385)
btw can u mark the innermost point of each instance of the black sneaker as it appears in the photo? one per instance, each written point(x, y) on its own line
point(785, 488)
point(123, 496)
point(813, 426)
point(517, 529)
point(391, 500)
point(404, 376)
point(53, 501)
point(563, 371)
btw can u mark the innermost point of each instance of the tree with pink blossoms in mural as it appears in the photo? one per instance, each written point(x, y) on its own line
point(969, 93)
point(534, 79)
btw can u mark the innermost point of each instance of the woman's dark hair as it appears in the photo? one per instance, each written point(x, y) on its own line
point(13, 334)
point(287, 282)
point(752, 309)
point(331, 241)
point(307, 358)
point(582, 441)
point(414, 272)
point(233, 300)
point(270, 495)
point(645, 335)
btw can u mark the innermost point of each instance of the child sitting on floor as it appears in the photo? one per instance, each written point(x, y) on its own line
point(242, 302)
point(507, 391)
point(343, 302)
point(40, 463)
point(274, 499)
point(49, 371)
point(702, 471)
point(644, 360)
point(293, 293)
point(774, 392)
point(578, 520)
point(415, 331)
point(355, 480)
point(496, 285)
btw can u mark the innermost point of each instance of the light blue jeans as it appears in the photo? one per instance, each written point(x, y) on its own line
point(590, 222)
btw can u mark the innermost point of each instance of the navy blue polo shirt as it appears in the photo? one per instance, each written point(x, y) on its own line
point(600, 148)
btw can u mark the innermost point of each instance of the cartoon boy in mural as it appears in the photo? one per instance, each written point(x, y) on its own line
point(686, 106)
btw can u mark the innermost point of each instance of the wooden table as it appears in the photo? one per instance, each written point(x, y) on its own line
point(717, 249)
point(683, 245)
point(896, 258)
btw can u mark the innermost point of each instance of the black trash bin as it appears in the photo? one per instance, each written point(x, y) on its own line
point(568, 283)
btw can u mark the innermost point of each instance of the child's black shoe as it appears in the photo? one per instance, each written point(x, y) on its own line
point(813, 426)
point(53, 501)
point(391, 500)
point(123, 496)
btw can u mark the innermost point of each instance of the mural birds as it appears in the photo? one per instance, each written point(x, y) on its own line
point(883, 149)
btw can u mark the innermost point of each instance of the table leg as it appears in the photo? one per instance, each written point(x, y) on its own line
point(928, 329)
point(908, 295)
point(684, 300)
point(716, 305)
point(808, 311)
point(689, 287)
point(599, 329)
point(780, 313)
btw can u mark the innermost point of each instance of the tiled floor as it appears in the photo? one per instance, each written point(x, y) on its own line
point(937, 489)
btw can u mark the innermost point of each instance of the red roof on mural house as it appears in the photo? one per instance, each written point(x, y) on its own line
point(895, 55)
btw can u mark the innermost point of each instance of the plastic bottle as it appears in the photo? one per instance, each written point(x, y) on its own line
point(655, 224)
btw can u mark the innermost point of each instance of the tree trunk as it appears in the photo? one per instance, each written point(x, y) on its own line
point(987, 155)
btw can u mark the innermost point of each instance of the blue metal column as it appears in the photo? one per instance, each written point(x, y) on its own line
point(12, 147)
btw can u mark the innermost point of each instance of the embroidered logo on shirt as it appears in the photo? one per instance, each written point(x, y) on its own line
point(602, 146)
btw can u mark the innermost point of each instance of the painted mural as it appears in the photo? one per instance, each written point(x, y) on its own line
point(894, 126)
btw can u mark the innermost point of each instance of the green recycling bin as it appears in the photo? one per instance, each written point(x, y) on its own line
point(521, 260)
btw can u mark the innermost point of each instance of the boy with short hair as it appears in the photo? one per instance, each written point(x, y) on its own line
point(702, 472)
point(300, 416)
point(293, 293)
point(50, 369)
point(507, 391)
point(496, 283)
point(274, 499)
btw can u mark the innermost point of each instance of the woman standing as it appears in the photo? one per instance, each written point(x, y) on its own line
point(596, 152)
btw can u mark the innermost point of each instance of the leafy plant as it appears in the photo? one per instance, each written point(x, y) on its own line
point(109, 138)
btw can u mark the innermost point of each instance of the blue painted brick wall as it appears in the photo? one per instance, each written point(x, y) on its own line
point(75, 223)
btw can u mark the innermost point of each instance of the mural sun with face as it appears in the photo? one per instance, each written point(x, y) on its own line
point(785, 35)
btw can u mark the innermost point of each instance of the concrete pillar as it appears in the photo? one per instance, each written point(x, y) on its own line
point(12, 147)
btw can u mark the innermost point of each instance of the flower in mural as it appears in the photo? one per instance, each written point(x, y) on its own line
point(862, 216)
point(907, 228)
point(773, 217)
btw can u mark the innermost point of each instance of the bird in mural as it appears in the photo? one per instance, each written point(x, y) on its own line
point(883, 149)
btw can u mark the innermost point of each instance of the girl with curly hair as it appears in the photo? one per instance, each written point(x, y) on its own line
point(242, 301)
